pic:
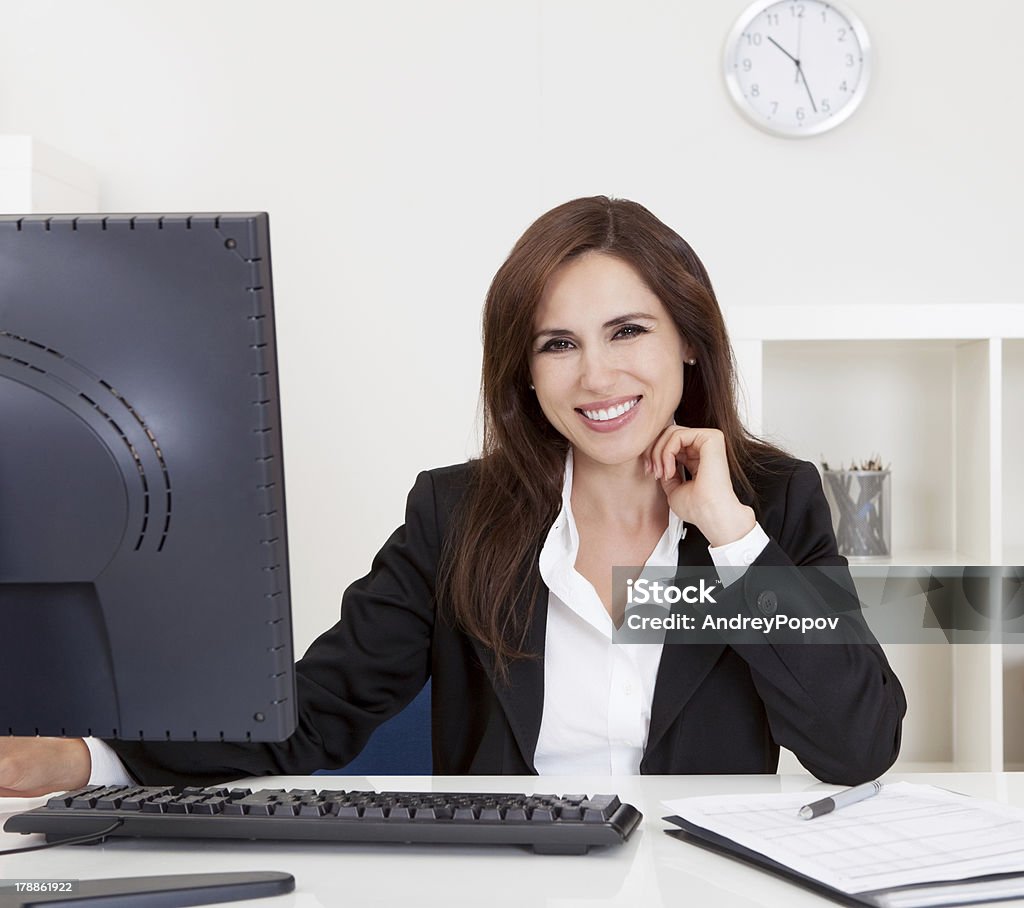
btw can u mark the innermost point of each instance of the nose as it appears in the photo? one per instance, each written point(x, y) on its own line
point(597, 369)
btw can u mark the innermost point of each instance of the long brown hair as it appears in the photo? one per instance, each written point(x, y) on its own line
point(515, 491)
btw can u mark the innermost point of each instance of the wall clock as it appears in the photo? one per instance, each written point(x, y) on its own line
point(797, 67)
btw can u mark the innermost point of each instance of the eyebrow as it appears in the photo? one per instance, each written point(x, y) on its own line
point(614, 323)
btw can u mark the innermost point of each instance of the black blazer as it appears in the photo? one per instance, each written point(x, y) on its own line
point(717, 708)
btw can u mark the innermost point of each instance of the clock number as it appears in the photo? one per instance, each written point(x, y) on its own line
point(849, 59)
point(800, 113)
point(797, 10)
point(775, 107)
point(753, 38)
point(842, 34)
point(755, 90)
point(842, 86)
point(824, 15)
point(825, 106)
point(773, 18)
point(747, 65)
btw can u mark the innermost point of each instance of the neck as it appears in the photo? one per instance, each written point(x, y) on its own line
point(619, 493)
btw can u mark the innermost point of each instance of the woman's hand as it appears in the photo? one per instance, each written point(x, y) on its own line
point(30, 767)
point(707, 500)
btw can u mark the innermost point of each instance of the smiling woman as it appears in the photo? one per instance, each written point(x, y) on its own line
point(611, 438)
point(603, 343)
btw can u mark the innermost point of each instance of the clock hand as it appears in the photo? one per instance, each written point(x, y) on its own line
point(786, 52)
point(799, 41)
point(800, 70)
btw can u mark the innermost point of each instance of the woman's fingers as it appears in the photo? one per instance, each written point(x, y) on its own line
point(681, 442)
point(658, 451)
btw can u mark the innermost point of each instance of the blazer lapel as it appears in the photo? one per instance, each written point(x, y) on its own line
point(683, 665)
point(522, 695)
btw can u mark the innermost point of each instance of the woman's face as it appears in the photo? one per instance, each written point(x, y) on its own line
point(606, 359)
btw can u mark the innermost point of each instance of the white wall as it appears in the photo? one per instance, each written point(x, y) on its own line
point(401, 147)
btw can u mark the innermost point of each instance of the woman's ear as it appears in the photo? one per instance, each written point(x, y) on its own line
point(689, 356)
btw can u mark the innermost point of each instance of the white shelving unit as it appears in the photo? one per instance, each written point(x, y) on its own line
point(1013, 542)
point(37, 178)
point(936, 390)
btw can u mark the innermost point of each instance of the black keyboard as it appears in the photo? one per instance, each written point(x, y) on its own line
point(549, 824)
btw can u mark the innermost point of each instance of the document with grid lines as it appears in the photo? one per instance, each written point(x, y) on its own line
point(908, 845)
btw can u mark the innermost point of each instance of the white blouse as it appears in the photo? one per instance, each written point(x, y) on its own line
point(597, 693)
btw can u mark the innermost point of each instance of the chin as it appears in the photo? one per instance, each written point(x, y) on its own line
point(609, 456)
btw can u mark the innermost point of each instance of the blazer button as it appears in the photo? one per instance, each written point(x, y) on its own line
point(767, 602)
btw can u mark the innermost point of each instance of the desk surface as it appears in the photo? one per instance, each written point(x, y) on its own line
point(651, 870)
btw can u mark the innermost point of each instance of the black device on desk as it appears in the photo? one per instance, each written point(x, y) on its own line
point(143, 558)
point(142, 522)
point(548, 824)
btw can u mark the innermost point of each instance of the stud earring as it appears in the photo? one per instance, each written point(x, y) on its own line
point(532, 388)
point(691, 362)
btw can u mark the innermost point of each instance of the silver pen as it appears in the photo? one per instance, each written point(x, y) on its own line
point(840, 799)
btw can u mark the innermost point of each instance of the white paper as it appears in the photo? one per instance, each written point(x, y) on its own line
point(907, 834)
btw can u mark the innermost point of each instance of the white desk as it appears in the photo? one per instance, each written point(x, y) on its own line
point(650, 870)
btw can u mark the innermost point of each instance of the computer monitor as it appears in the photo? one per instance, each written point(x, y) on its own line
point(143, 558)
point(143, 554)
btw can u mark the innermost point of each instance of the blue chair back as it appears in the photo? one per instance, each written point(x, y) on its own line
point(399, 747)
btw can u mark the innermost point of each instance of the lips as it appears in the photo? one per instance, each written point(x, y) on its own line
point(609, 415)
point(603, 411)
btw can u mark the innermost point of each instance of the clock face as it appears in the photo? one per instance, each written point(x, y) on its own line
point(797, 67)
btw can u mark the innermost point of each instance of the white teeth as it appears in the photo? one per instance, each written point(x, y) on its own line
point(613, 413)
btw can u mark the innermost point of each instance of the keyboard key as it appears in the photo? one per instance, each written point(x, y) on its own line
point(599, 808)
point(59, 802)
point(157, 805)
point(134, 802)
point(84, 801)
point(109, 802)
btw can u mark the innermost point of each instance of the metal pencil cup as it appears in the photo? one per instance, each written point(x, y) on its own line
point(861, 514)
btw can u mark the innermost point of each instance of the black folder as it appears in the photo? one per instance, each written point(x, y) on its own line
point(704, 838)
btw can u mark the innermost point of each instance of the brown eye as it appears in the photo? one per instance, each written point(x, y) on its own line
point(556, 345)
